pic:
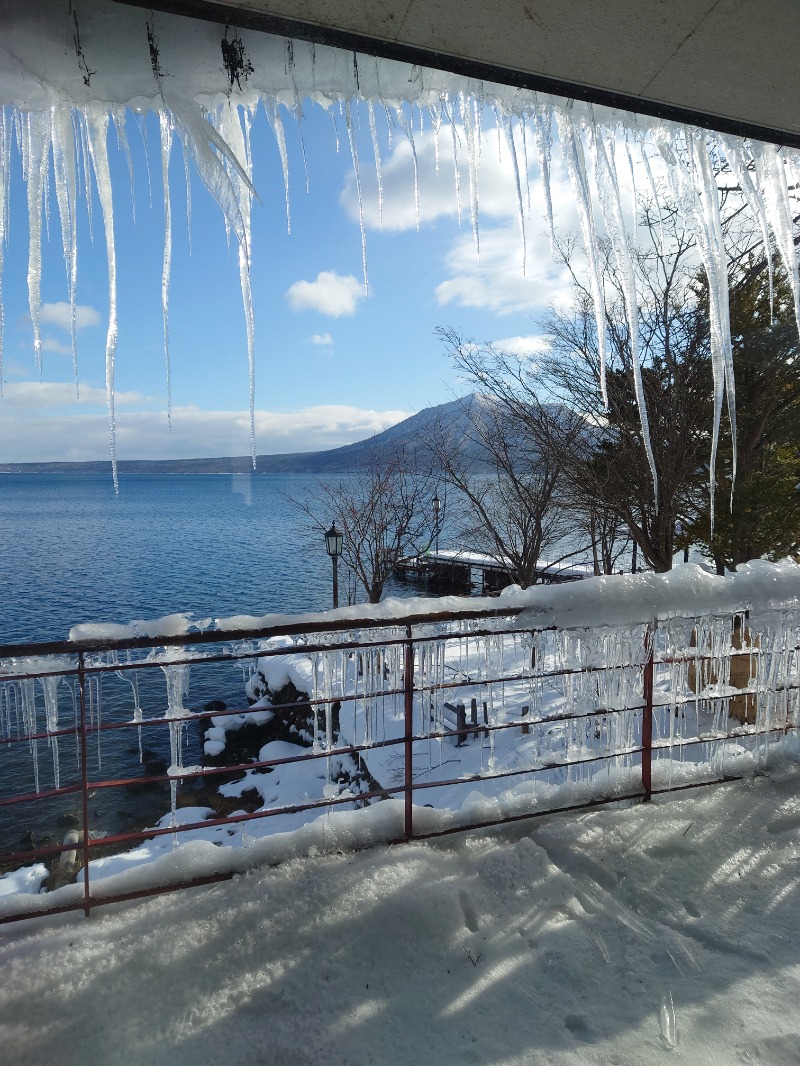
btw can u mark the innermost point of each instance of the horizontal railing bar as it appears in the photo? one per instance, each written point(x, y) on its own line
point(607, 757)
point(688, 742)
point(235, 819)
point(31, 797)
point(67, 731)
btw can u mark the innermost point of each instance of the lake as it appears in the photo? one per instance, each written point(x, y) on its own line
point(209, 544)
point(72, 551)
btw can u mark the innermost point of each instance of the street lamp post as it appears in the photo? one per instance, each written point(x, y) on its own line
point(333, 546)
point(437, 507)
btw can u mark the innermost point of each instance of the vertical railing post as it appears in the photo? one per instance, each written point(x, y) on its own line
point(87, 901)
point(408, 689)
point(647, 713)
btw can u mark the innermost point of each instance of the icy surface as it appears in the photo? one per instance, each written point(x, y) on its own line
point(118, 57)
point(662, 934)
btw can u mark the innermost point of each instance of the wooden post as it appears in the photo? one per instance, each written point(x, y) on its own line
point(525, 726)
point(461, 724)
point(485, 721)
point(473, 717)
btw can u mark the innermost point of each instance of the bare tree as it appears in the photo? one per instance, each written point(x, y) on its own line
point(506, 486)
point(383, 510)
point(602, 452)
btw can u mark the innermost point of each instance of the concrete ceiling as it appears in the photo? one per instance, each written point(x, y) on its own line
point(732, 65)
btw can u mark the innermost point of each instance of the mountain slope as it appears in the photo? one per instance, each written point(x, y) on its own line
point(409, 434)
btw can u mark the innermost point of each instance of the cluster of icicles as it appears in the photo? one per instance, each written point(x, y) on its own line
point(210, 111)
point(582, 690)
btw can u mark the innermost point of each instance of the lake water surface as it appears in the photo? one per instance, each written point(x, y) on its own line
point(213, 545)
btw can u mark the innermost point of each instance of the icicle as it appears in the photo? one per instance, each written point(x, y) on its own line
point(274, 118)
point(509, 134)
point(5, 179)
point(407, 127)
point(140, 122)
point(542, 128)
point(468, 120)
point(357, 175)
point(526, 164)
point(611, 209)
point(63, 139)
point(734, 153)
point(634, 197)
point(83, 137)
point(572, 151)
point(36, 147)
point(770, 171)
point(50, 689)
point(166, 150)
point(653, 188)
point(715, 261)
point(456, 174)
point(377, 153)
point(242, 187)
point(188, 177)
point(177, 679)
point(217, 171)
point(29, 725)
point(96, 126)
point(122, 141)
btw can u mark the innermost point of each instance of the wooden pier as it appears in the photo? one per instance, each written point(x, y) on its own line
point(454, 570)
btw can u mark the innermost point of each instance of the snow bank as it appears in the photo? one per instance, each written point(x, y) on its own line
point(664, 934)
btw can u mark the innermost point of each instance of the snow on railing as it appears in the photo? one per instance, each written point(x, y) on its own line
point(406, 720)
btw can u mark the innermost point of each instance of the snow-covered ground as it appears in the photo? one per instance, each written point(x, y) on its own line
point(666, 932)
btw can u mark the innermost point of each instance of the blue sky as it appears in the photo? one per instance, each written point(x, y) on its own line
point(333, 364)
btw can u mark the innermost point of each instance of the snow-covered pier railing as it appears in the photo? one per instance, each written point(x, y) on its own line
point(404, 721)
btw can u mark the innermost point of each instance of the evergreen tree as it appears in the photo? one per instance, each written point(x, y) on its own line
point(764, 519)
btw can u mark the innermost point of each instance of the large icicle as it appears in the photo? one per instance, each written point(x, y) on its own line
point(543, 132)
point(735, 155)
point(36, 147)
point(771, 176)
point(357, 173)
point(96, 128)
point(233, 132)
point(611, 208)
point(166, 268)
point(509, 135)
point(63, 139)
point(467, 105)
point(5, 151)
point(572, 151)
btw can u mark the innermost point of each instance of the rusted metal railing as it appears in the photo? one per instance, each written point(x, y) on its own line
point(561, 728)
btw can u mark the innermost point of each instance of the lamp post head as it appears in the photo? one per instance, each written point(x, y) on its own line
point(333, 542)
point(437, 504)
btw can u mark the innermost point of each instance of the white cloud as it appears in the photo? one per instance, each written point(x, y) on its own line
point(35, 395)
point(50, 344)
point(325, 340)
point(34, 436)
point(496, 282)
point(522, 346)
point(60, 314)
point(496, 187)
point(330, 294)
point(496, 190)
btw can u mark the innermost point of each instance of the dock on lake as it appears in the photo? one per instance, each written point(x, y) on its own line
point(456, 569)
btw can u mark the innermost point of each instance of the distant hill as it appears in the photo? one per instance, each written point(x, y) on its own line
point(411, 433)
